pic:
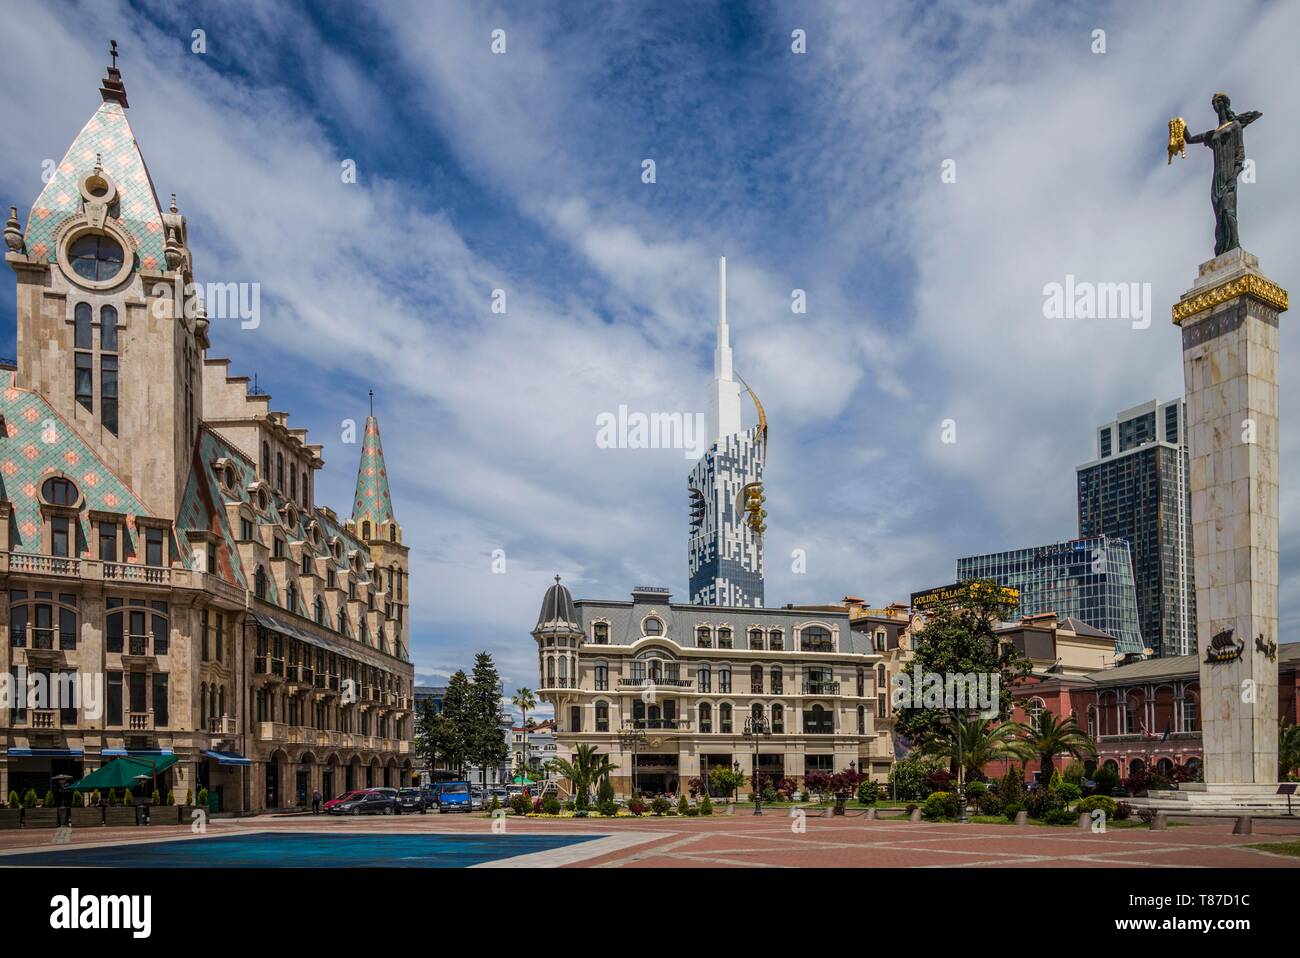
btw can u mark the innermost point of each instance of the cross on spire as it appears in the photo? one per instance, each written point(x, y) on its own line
point(112, 51)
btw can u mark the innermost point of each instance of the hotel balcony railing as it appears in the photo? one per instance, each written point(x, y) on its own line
point(291, 674)
point(566, 683)
point(807, 646)
point(778, 688)
point(272, 731)
point(1137, 737)
point(140, 721)
point(821, 688)
point(125, 572)
point(672, 723)
point(756, 688)
point(43, 718)
point(663, 681)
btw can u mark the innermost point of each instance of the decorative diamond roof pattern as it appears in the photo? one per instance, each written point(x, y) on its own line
point(372, 500)
point(39, 443)
point(108, 135)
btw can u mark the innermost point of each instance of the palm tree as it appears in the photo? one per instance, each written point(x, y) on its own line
point(978, 742)
point(586, 768)
point(525, 701)
point(1288, 749)
point(1052, 736)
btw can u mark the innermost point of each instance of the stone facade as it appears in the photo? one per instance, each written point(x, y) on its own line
point(666, 688)
point(1229, 322)
point(161, 544)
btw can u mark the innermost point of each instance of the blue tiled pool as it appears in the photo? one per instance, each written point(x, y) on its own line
point(304, 850)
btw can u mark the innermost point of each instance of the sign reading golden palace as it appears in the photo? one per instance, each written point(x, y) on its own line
point(949, 596)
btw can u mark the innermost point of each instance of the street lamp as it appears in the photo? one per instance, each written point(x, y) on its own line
point(757, 726)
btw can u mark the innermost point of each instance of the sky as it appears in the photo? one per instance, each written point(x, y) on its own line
point(920, 173)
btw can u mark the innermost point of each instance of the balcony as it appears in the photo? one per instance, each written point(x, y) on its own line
point(821, 688)
point(672, 724)
point(755, 688)
point(30, 564)
point(660, 681)
point(272, 731)
point(43, 718)
point(147, 574)
point(221, 725)
point(140, 721)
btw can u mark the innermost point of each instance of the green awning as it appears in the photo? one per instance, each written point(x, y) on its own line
point(122, 772)
point(523, 780)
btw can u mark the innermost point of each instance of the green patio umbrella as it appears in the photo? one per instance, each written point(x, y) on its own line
point(523, 780)
point(123, 772)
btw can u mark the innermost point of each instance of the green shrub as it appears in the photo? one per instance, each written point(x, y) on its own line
point(13, 800)
point(706, 806)
point(1094, 802)
point(940, 805)
point(1069, 792)
point(203, 797)
point(112, 796)
point(975, 789)
point(911, 776)
point(550, 805)
point(189, 797)
point(608, 809)
point(868, 792)
point(521, 804)
point(1041, 801)
point(638, 807)
point(989, 803)
point(155, 798)
point(1060, 816)
point(1011, 810)
point(683, 805)
point(660, 805)
point(1122, 811)
point(171, 797)
point(496, 804)
point(1074, 773)
point(1107, 779)
point(1012, 786)
point(48, 801)
point(692, 811)
point(605, 793)
point(29, 799)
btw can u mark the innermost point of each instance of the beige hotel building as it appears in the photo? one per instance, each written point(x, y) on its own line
point(666, 689)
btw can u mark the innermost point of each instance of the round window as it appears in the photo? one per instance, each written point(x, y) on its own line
point(96, 257)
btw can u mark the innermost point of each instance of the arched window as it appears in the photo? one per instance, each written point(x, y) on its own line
point(602, 716)
point(724, 680)
point(600, 633)
point(365, 530)
point(724, 638)
point(343, 621)
point(703, 637)
point(818, 721)
point(815, 639)
point(756, 711)
point(392, 533)
point(776, 640)
point(365, 631)
point(704, 678)
point(292, 600)
point(320, 611)
point(1132, 713)
point(259, 583)
point(108, 328)
point(293, 484)
point(756, 679)
point(83, 336)
point(778, 680)
point(778, 719)
point(1191, 712)
point(724, 718)
point(84, 361)
point(266, 461)
point(1034, 709)
point(279, 471)
point(862, 720)
point(652, 626)
point(756, 638)
point(706, 717)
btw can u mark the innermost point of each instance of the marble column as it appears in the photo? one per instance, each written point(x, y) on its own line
point(1229, 322)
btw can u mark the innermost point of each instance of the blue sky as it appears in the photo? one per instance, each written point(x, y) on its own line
point(817, 171)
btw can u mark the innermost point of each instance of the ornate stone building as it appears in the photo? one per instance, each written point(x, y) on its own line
point(666, 689)
point(163, 553)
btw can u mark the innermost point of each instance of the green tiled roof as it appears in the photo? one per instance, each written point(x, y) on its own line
point(107, 135)
point(39, 443)
point(372, 500)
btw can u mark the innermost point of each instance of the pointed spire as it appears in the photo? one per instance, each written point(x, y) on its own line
point(724, 401)
point(372, 501)
point(113, 89)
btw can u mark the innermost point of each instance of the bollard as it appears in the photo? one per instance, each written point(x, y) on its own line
point(1244, 826)
point(871, 814)
point(1022, 818)
point(916, 815)
point(731, 809)
point(1159, 822)
point(1085, 821)
point(829, 812)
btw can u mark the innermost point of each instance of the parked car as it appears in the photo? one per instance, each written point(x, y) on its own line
point(371, 801)
point(411, 800)
point(346, 796)
point(454, 796)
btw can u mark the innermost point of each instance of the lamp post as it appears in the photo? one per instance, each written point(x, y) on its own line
point(757, 726)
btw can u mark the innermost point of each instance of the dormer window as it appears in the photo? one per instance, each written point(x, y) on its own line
point(704, 638)
point(653, 625)
point(724, 638)
point(58, 491)
point(600, 633)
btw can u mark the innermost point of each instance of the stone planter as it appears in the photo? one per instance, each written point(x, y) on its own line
point(40, 817)
point(94, 815)
point(1022, 818)
point(11, 818)
point(119, 815)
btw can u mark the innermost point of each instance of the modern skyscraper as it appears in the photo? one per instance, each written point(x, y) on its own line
point(1137, 489)
point(1087, 579)
point(725, 548)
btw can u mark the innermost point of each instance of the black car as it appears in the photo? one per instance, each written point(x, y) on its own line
point(411, 800)
point(369, 802)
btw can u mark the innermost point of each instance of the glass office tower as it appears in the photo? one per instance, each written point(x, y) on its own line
point(1137, 489)
point(1087, 579)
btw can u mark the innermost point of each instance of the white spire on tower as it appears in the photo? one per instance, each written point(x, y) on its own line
point(724, 401)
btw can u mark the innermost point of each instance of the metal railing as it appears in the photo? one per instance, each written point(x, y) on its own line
point(821, 688)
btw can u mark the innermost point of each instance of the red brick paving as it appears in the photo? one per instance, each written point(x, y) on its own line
point(744, 840)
